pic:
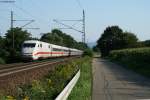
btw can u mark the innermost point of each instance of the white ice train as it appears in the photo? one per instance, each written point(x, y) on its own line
point(34, 49)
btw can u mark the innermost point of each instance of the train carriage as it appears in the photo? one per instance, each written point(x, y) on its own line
point(34, 49)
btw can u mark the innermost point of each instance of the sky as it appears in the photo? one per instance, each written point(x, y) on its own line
point(130, 15)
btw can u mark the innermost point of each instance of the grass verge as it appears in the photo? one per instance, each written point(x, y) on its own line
point(82, 90)
point(53, 83)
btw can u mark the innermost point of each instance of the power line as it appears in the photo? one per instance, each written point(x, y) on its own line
point(68, 26)
point(73, 28)
point(7, 1)
point(26, 12)
point(79, 3)
point(29, 14)
point(23, 10)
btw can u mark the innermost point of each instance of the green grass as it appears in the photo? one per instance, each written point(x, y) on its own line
point(82, 90)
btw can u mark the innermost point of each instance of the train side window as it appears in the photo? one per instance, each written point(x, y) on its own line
point(41, 45)
point(49, 46)
point(56, 49)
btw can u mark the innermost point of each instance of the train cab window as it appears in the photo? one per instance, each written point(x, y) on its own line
point(29, 45)
point(49, 46)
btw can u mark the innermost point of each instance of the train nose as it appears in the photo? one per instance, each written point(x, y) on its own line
point(27, 52)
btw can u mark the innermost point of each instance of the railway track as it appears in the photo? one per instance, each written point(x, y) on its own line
point(18, 67)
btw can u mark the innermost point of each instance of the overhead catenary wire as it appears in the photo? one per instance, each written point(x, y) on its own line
point(39, 20)
point(79, 3)
point(72, 27)
point(4, 18)
point(29, 14)
point(7, 1)
point(23, 10)
point(15, 6)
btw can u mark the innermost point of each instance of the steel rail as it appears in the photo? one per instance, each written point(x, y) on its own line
point(5, 66)
point(9, 71)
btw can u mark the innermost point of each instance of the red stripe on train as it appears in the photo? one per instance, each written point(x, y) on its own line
point(49, 53)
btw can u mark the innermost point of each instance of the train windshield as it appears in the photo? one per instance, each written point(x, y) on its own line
point(29, 45)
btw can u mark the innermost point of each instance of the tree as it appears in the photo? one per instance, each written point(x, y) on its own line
point(81, 46)
point(146, 43)
point(95, 49)
point(114, 38)
point(88, 52)
point(55, 37)
point(19, 37)
point(1, 42)
point(110, 40)
point(59, 38)
point(129, 40)
point(3, 52)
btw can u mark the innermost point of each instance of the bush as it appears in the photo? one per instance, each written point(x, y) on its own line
point(14, 56)
point(137, 59)
point(2, 61)
point(88, 52)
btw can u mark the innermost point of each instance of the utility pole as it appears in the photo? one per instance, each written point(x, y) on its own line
point(12, 30)
point(10, 1)
point(83, 36)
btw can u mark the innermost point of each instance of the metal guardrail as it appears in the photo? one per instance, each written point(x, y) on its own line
point(67, 90)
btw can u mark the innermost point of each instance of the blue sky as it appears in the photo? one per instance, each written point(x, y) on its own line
point(130, 15)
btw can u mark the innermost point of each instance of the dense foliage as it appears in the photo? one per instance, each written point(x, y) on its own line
point(114, 38)
point(88, 52)
point(136, 59)
point(7, 52)
point(96, 49)
point(19, 37)
point(59, 38)
point(146, 43)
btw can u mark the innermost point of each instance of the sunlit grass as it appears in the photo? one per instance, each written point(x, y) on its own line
point(82, 90)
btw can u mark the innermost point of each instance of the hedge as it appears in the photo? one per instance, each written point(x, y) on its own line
point(137, 59)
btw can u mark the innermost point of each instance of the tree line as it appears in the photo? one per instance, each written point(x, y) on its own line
point(8, 54)
point(114, 38)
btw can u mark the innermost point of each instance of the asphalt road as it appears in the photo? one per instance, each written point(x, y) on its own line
point(113, 82)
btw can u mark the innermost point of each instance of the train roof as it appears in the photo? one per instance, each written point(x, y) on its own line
point(31, 41)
